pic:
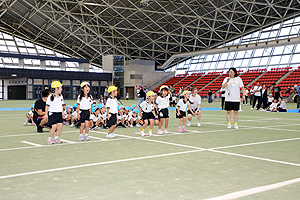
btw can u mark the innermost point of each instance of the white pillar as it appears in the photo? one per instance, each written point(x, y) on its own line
point(21, 62)
point(43, 64)
point(63, 65)
point(84, 67)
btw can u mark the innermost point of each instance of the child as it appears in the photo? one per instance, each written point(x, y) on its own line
point(134, 119)
point(68, 114)
point(156, 119)
point(84, 106)
point(54, 110)
point(126, 115)
point(147, 113)
point(29, 116)
point(273, 106)
point(121, 117)
point(163, 104)
point(103, 117)
point(74, 119)
point(282, 105)
point(95, 119)
point(127, 97)
point(181, 110)
point(133, 107)
point(112, 110)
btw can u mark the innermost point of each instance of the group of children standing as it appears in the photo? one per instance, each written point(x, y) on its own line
point(154, 110)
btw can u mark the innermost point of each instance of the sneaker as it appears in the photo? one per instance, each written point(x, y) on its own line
point(57, 140)
point(131, 126)
point(96, 128)
point(236, 126)
point(39, 129)
point(32, 123)
point(189, 123)
point(138, 125)
point(81, 138)
point(25, 124)
point(159, 132)
point(72, 125)
point(91, 129)
point(50, 141)
point(123, 126)
point(150, 134)
point(180, 130)
point(251, 108)
point(105, 127)
point(67, 123)
point(64, 123)
point(142, 134)
point(263, 110)
point(111, 135)
point(198, 124)
point(87, 138)
point(229, 126)
point(183, 130)
point(166, 132)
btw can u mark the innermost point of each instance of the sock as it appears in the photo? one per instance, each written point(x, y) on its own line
point(56, 137)
point(150, 130)
point(179, 127)
point(183, 127)
point(81, 135)
point(142, 130)
point(72, 123)
point(49, 138)
point(229, 123)
point(26, 119)
point(159, 129)
point(165, 129)
point(86, 134)
point(235, 123)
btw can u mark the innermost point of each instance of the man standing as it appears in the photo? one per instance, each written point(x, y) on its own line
point(39, 111)
point(257, 96)
point(276, 91)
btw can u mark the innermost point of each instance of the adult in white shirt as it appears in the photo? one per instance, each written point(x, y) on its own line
point(233, 86)
point(257, 96)
point(246, 96)
point(251, 95)
point(194, 108)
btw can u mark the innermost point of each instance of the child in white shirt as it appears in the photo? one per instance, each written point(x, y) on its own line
point(181, 110)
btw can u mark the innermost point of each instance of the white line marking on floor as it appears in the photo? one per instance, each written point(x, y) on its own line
point(46, 133)
point(255, 190)
point(96, 164)
point(72, 142)
point(97, 138)
point(31, 143)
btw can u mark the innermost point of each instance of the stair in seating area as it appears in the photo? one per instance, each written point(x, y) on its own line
point(172, 81)
point(188, 80)
point(205, 81)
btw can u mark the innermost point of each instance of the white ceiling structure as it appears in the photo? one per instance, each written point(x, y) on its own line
point(92, 28)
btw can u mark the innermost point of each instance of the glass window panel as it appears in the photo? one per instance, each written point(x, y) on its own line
point(13, 49)
point(224, 56)
point(38, 81)
point(288, 49)
point(275, 60)
point(278, 50)
point(295, 58)
point(285, 59)
point(248, 53)
point(237, 63)
point(210, 57)
point(29, 88)
point(240, 54)
point(266, 52)
point(95, 83)
point(216, 57)
point(29, 95)
point(46, 82)
point(264, 61)
point(29, 81)
point(255, 61)
point(258, 52)
point(213, 65)
point(221, 64)
point(2, 42)
point(228, 64)
point(245, 62)
point(206, 66)
point(66, 82)
point(10, 43)
point(76, 82)
point(23, 50)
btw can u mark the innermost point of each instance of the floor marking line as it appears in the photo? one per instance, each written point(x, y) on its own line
point(31, 143)
point(96, 164)
point(255, 190)
point(72, 142)
point(46, 133)
point(97, 138)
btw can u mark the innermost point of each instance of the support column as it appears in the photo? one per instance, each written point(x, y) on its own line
point(63, 65)
point(43, 64)
point(21, 62)
point(84, 67)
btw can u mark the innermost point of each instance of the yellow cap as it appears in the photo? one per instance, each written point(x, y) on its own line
point(185, 91)
point(163, 86)
point(55, 84)
point(111, 88)
point(84, 83)
point(150, 93)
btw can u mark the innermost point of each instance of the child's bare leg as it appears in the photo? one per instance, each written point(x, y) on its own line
point(53, 129)
point(166, 123)
point(161, 123)
point(81, 128)
point(86, 127)
point(59, 129)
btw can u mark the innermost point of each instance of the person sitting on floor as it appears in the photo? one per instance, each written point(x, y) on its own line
point(282, 106)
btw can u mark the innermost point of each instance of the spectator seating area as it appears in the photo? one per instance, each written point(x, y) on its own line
point(272, 76)
point(204, 80)
point(172, 81)
point(214, 86)
point(290, 81)
point(250, 75)
point(188, 80)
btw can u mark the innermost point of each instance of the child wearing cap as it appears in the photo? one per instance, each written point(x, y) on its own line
point(147, 113)
point(68, 114)
point(112, 110)
point(95, 119)
point(162, 102)
point(156, 119)
point(103, 117)
point(29, 116)
point(181, 110)
point(54, 112)
point(74, 116)
point(126, 115)
point(134, 119)
point(121, 117)
point(84, 106)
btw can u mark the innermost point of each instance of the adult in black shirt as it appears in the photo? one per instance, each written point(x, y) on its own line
point(39, 111)
point(276, 91)
point(209, 96)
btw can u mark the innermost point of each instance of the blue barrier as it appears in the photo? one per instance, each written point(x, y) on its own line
point(14, 109)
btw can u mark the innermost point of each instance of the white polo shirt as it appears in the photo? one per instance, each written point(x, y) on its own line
point(233, 89)
point(195, 100)
point(146, 107)
point(258, 94)
point(182, 106)
point(94, 117)
point(112, 104)
point(56, 104)
point(85, 103)
point(163, 102)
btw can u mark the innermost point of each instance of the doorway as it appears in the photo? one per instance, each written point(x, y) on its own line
point(17, 92)
point(130, 91)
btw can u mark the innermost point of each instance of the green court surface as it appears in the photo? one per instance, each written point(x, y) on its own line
point(261, 160)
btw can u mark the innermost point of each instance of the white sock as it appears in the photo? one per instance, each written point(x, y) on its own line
point(49, 138)
point(56, 137)
point(81, 135)
point(86, 134)
point(165, 129)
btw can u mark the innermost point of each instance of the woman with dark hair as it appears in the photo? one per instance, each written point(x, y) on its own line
point(233, 86)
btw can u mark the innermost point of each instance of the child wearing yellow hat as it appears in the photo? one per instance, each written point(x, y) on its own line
point(54, 112)
point(112, 110)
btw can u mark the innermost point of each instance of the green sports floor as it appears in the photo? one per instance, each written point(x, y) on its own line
point(261, 160)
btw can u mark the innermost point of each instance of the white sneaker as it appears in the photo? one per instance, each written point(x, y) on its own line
point(189, 123)
point(150, 134)
point(138, 125)
point(159, 132)
point(72, 125)
point(166, 132)
point(262, 110)
point(251, 108)
point(131, 126)
point(236, 126)
point(97, 128)
point(142, 134)
point(198, 124)
point(229, 126)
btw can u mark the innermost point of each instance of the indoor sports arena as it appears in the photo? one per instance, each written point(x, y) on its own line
point(150, 99)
